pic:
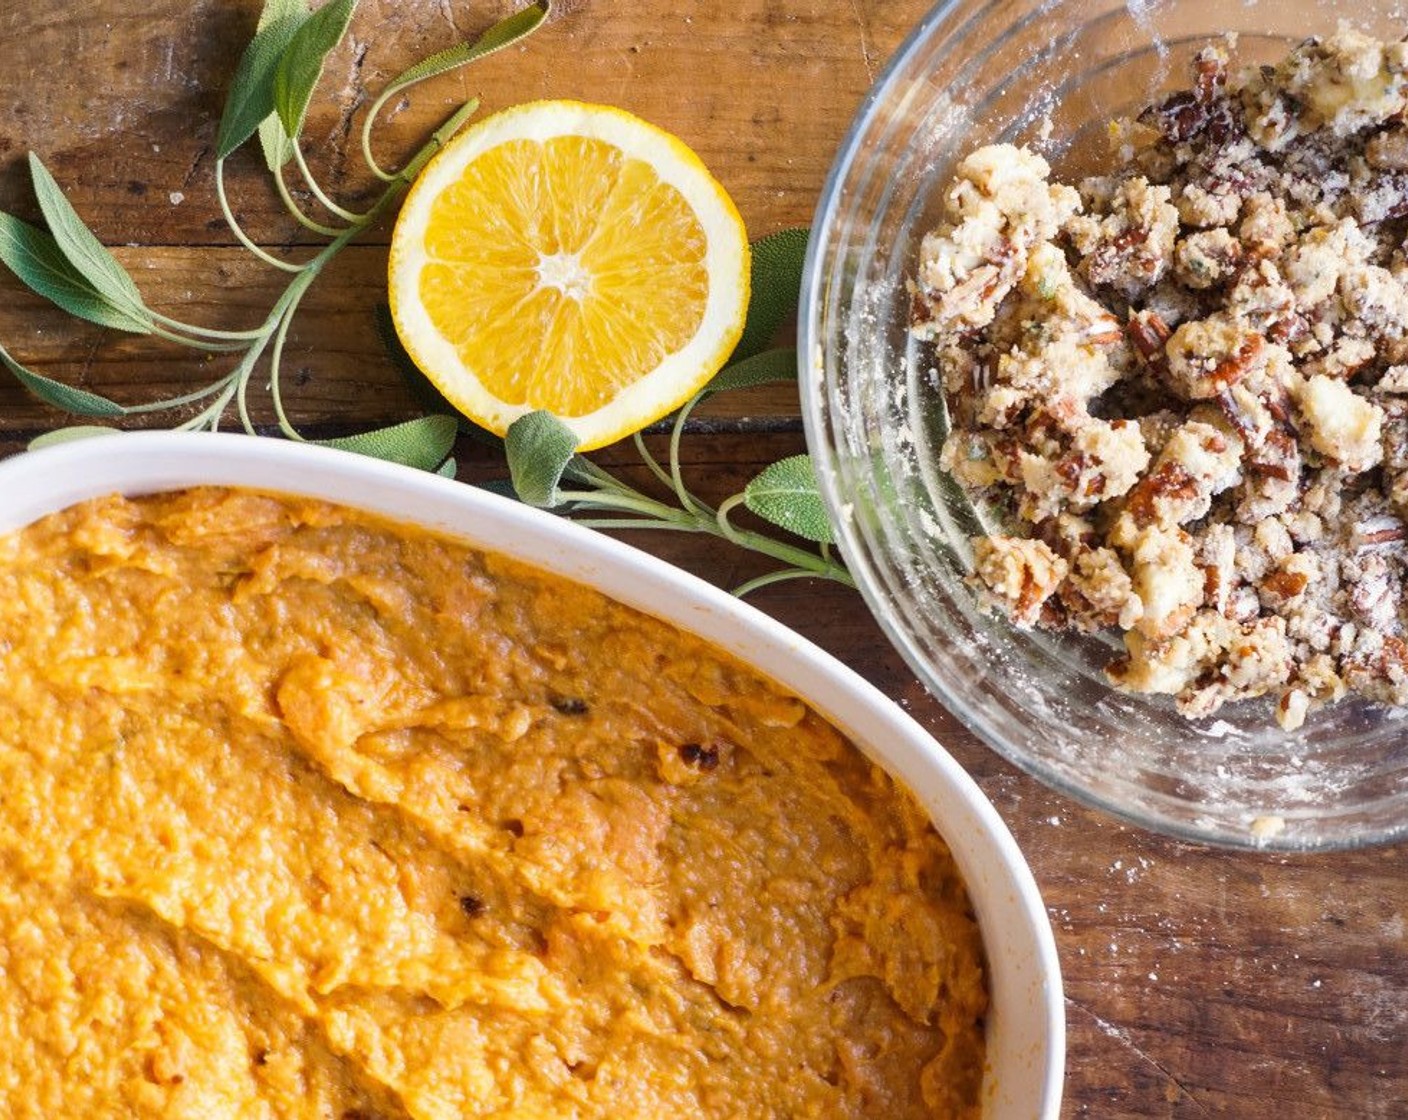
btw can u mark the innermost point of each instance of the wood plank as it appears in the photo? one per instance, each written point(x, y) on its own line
point(762, 89)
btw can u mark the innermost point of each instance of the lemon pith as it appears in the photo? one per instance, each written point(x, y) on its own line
point(572, 258)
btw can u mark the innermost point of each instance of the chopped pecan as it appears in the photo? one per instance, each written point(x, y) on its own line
point(1147, 334)
point(1072, 467)
point(1277, 457)
point(1224, 123)
point(1378, 531)
point(1373, 596)
point(1246, 413)
point(1121, 257)
point(1285, 585)
point(1390, 659)
point(1102, 332)
point(1288, 329)
point(1170, 482)
point(1388, 150)
point(1230, 180)
point(1208, 355)
point(1210, 74)
point(1231, 370)
point(1178, 117)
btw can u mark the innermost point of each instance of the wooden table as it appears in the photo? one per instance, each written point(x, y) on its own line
point(1198, 983)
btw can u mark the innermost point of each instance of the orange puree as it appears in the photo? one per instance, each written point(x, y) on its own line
point(305, 814)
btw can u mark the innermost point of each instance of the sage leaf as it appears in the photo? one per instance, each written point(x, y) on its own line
point(539, 448)
point(83, 250)
point(500, 486)
point(78, 401)
point(448, 469)
point(775, 287)
point(424, 442)
point(273, 141)
point(68, 435)
point(251, 99)
point(275, 10)
point(786, 494)
point(301, 64)
point(771, 367)
point(34, 256)
point(503, 34)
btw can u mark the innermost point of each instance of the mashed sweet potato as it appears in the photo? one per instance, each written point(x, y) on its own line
point(305, 814)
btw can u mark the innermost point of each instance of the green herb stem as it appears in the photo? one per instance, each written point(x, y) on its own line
point(204, 332)
point(318, 193)
point(367, 157)
point(438, 139)
point(177, 402)
point(789, 554)
point(649, 460)
point(276, 324)
point(586, 467)
point(745, 589)
point(628, 501)
point(275, 393)
point(210, 416)
point(287, 305)
point(687, 500)
point(662, 516)
point(209, 347)
point(238, 231)
point(297, 211)
point(505, 33)
point(726, 527)
point(632, 523)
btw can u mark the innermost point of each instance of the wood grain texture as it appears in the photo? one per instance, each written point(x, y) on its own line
point(1199, 983)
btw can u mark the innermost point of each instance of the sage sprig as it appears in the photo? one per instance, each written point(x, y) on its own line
point(273, 87)
point(546, 471)
point(274, 84)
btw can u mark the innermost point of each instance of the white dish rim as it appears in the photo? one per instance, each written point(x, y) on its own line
point(1026, 1029)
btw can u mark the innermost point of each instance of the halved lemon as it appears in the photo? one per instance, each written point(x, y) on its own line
point(571, 258)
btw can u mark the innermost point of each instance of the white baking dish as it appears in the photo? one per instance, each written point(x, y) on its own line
point(1026, 1031)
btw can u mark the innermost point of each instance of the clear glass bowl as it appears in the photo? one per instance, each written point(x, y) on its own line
point(973, 73)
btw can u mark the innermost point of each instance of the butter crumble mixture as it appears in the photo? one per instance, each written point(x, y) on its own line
point(1186, 382)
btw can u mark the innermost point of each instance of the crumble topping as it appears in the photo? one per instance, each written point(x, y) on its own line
point(1187, 381)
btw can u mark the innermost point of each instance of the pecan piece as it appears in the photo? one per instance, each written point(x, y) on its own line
point(1388, 150)
point(1210, 74)
point(1277, 457)
point(1283, 586)
point(1147, 334)
point(1375, 532)
point(1169, 483)
point(1178, 117)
